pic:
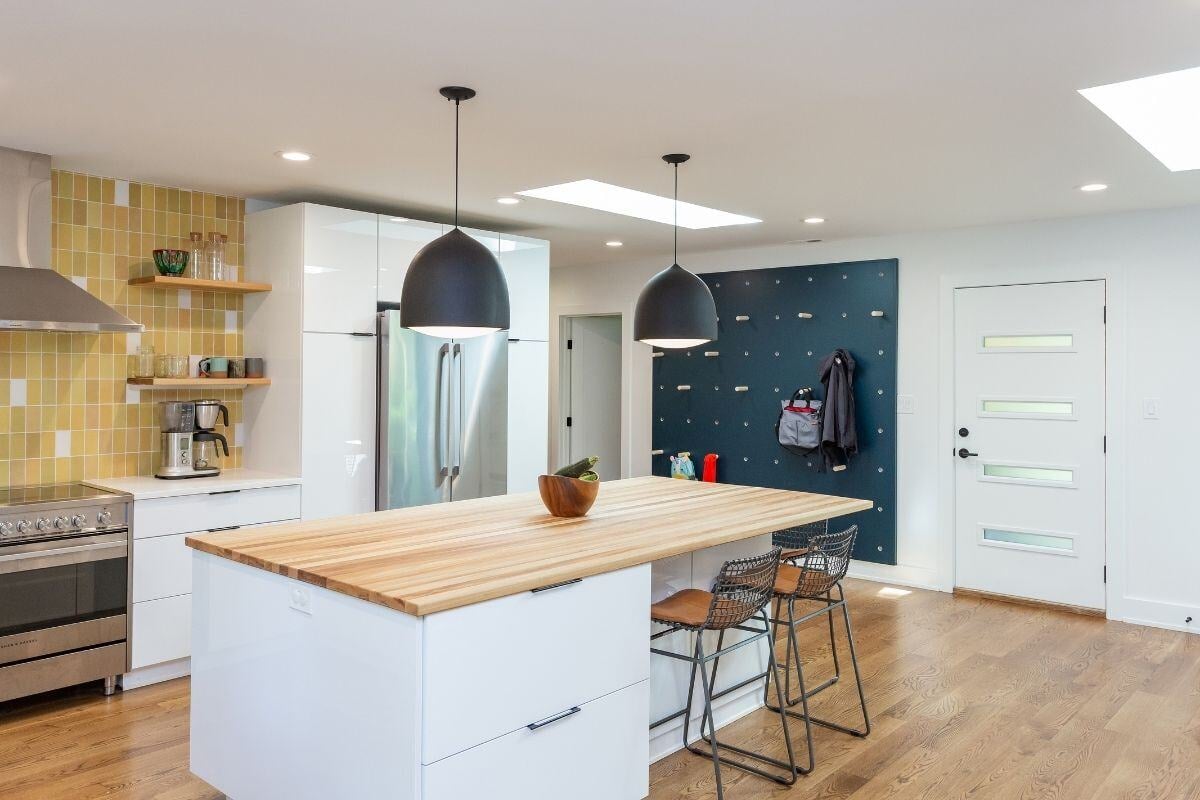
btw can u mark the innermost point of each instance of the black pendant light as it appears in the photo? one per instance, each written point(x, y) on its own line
point(675, 309)
point(454, 287)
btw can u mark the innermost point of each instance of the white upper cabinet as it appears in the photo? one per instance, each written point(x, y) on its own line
point(399, 241)
point(526, 264)
point(341, 260)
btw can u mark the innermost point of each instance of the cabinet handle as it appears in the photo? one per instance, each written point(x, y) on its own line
point(533, 726)
point(558, 585)
point(224, 491)
point(226, 528)
point(359, 333)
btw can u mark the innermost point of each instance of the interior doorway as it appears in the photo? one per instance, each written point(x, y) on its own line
point(590, 392)
point(1030, 463)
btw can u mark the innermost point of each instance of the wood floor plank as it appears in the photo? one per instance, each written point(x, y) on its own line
point(971, 699)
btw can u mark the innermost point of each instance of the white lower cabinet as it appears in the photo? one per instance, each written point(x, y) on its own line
point(597, 752)
point(161, 630)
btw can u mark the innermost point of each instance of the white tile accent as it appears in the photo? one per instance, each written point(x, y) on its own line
point(231, 321)
point(122, 193)
point(132, 395)
point(132, 342)
point(16, 392)
point(81, 282)
point(62, 444)
point(185, 298)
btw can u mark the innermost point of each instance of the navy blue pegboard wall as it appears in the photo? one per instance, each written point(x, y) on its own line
point(772, 353)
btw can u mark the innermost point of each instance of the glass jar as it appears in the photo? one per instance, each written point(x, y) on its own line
point(214, 256)
point(229, 269)
point(162, 366)
point(142, 363)
point(196, 264)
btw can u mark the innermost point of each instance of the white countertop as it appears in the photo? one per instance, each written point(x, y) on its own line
point(146, 487)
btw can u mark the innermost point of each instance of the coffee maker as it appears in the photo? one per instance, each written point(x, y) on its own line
point(187, 432)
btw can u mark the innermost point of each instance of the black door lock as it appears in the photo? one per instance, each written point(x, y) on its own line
point(965, 453)
point(964, 432)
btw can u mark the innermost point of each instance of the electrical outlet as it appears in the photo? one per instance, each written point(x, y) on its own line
point(301, 600)
point(1150, 408)
point(906, 404)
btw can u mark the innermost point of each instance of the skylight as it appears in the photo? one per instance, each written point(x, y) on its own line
point(632, 203)
point(1161, 112)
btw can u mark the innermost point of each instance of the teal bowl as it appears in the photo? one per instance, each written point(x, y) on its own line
point(170, 262)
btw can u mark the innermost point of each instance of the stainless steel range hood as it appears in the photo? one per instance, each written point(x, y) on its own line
point(33, 296)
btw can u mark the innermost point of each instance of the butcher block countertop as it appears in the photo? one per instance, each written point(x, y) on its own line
point(434, 558)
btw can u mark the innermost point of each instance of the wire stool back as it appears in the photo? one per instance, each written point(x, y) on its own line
point(826, 562)
point(741, 589)
point(797, 537)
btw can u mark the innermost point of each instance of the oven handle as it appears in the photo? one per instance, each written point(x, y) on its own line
point(63, 556)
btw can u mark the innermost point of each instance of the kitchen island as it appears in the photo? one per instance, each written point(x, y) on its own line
point(451, 650)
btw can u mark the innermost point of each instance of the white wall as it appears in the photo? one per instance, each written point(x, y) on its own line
point(1151, 261)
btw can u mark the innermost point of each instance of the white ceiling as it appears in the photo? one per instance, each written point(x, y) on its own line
point(880, 115)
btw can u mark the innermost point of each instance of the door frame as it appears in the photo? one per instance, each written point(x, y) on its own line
point(1115, 370)
point(558, 378)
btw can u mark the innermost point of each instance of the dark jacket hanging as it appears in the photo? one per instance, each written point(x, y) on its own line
point(839, 436)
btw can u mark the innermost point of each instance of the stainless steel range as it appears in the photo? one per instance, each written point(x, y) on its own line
point(64, 587)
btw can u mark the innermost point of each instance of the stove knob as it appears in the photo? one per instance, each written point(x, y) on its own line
point(103, 518)
point(6, 529)
point(23, 527)
point(43, 525)
point(78, 521)
point(61, 523)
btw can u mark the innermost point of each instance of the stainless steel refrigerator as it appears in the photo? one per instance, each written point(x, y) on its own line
point(443, 416)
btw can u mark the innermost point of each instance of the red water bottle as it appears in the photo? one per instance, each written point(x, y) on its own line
point(710, 468)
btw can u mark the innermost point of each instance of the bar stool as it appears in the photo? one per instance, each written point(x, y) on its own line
point(794, 541)
point(814, 578)
point(740, 593)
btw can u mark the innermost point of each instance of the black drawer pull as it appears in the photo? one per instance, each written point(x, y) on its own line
point(533, 726)
point(224, 491)
point(558, 585)
point(226, 528)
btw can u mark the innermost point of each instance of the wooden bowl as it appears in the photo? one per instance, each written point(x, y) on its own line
point(567, 497)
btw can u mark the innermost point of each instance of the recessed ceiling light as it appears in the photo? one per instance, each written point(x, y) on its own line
point(294, 155)
point(1093, 187)
point(632, 203)
point(1159, 112)
point(507, 201)
point(814, 220)
point(613, 243)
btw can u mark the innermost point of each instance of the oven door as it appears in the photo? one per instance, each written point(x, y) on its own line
point(62, 595)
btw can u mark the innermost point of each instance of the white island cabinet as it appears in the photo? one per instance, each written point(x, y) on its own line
point(477, 648)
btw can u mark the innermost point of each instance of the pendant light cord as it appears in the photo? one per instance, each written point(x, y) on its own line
point(676, 209)
point(458, 103)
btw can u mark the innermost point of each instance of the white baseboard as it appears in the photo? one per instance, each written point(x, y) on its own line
point(898, 574)
point(1157, 614)
point(157, 673)
point(668, 738)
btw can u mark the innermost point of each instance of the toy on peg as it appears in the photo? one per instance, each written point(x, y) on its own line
point(683, 387)
point(804, 315)
point(711, 353)
point(742, 318)
point(741, 388)
point(877, 314)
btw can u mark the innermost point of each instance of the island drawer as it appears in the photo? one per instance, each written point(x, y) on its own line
point(493, 667)
point(598, 752)
point(204, 512)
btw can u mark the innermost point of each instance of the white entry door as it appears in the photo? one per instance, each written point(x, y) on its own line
point(1029, 405)
point(593, 401)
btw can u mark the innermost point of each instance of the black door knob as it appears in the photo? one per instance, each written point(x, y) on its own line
point(964, 432)
point(965, 453)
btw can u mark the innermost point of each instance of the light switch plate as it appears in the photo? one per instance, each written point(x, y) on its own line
point(301, 600)
point(906, 404)
point(1150, 408)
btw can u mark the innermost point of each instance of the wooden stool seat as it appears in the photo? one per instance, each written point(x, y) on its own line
point(688, 608)
point(791, 555)
point(787, 582)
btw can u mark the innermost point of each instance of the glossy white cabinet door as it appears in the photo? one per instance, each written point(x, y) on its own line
point(341, 260)
point(160, 631)
point(338, 458)
point(526, 264)
point(528, 413)
point(400, 240)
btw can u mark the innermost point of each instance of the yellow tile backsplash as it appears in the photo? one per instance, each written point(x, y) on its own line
point(66, 412)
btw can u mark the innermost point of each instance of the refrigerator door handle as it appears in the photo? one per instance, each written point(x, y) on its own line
point(443, 406)
point(458, 402)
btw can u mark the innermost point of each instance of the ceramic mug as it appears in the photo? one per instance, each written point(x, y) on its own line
point(237, 367)
point(214, 367)
point(255, 367)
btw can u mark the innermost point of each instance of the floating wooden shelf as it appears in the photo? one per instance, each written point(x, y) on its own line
point(198, 383)
point(170, 282)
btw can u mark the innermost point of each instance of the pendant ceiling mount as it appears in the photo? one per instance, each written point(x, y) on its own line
point(454, 288)
point(675, 309)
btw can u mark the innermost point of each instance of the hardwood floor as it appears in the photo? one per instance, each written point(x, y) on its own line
point(969, 698)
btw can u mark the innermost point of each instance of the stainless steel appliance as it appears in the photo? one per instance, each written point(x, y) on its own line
point(442, 432)
point(64, 587)
point(33, 296)
point(188, 445)
point(206, 458)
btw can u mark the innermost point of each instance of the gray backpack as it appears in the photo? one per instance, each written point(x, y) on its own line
point(799, 426)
